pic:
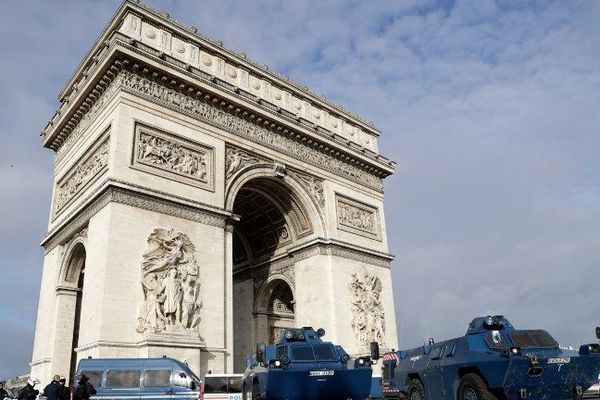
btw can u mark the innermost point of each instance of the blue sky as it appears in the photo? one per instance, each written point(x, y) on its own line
point(490, 109)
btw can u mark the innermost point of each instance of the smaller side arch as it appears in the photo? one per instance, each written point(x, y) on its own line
point(73, 263)
point(264, 292)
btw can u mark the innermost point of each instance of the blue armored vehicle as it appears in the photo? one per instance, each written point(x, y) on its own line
point(301, 366)
point(493, 361)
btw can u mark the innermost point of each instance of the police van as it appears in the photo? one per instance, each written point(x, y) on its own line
point(222, 387)
point(140, 378)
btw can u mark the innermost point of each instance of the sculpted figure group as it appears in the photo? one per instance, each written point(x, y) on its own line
point(170, 284)
point(368, 322)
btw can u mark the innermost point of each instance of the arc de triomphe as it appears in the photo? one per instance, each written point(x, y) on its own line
point(203, 203)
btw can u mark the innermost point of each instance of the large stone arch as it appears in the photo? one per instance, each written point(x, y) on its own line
point(288, 180)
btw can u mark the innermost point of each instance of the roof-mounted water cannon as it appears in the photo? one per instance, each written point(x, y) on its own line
point(495, 322)
point(598, 332)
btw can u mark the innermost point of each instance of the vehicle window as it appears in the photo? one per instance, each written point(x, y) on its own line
point(302, 353)
point(235, 385)
point(533, 338)
point(213, 384)
point(95, 377)
point(123, 379)
point(437, 353)
point(157, 378)
point(281, 350)
point(324, 352)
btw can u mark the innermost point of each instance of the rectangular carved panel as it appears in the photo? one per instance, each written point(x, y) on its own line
point(82, 174)
point(358, 218)
point(172, 157)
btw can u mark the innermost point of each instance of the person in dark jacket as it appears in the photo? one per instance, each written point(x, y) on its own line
point(53, 390)
point(3, 392)
point(84, 389)
point(28, 392)
point(65, 390)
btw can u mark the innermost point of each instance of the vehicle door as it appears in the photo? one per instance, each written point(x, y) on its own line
point(156, 384)
point(123, 383)
point(434, 382)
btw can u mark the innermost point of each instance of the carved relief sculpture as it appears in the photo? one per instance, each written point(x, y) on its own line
point(237, 159)
point(314, 187)
point(174, 158)
point(81, 175)
point(170, 284)
point(368, 317)
point(357, 217)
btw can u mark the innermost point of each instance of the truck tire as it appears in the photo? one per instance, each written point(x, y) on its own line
point(256, 391)
point(244, 394)
point(416, 391)
point(473, 387)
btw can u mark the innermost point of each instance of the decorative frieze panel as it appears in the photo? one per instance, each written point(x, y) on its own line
point(356, 217)
point(82, 175)
point(173, 157)
point(196, 108)
point(368, 317)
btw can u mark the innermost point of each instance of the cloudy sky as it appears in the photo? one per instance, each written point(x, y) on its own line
point(490, 109)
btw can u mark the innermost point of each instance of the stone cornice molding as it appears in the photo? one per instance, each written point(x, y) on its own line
point(132, 195)
point(312, 248)
point(190, 36)
point(67, 124)
point(97, 77)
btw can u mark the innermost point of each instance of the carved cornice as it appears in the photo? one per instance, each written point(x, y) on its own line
point(313, 248)
point(111, 193)
point(365, 160)
point(232, 119)
point(155, 28)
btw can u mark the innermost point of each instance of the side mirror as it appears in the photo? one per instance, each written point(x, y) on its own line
point(193, 385)
point(598, 332)
point(260, 353)
point(374, 351)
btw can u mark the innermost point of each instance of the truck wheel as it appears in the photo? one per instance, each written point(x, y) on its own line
point(416, 391)
point(256, 391)
point(473, 387)
point(244, 394)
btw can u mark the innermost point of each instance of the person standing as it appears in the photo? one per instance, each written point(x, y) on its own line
point(3, 392)
point(84, 389)
point(29, 392)
point(65, 391)
point(53, 390)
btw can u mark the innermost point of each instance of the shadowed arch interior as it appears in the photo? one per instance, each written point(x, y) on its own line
point(271, 219)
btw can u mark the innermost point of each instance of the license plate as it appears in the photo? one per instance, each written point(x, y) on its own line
point(320, 373)
point(559, 360)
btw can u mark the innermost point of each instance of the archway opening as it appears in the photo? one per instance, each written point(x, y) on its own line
point(74, 276)
point(271, 221)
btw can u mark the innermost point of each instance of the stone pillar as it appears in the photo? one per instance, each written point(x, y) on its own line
point(66, 300)
point(228, 284)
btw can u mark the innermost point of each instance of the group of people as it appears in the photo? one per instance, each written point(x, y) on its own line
point(55, 390)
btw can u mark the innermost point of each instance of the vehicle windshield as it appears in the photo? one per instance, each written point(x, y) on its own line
point(533, 338)
point(319, 352)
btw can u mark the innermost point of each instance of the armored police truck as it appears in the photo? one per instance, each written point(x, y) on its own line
point(301, 366)
point(492, 361)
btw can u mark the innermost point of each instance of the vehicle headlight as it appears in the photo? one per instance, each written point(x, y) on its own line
point(345, 358)
point(285, 359)
point(515, 351)
point(361, 361)
point(277, 363)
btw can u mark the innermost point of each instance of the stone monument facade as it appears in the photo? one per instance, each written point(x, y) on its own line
point(203, 203)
